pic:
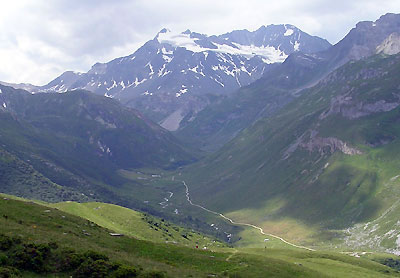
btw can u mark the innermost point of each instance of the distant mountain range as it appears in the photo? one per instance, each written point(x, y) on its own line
point(174, 75)
point(222, 120)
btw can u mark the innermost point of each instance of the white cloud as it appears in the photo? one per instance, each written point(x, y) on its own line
point(40, 39)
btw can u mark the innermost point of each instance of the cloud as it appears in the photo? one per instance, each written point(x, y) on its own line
point(40, 39)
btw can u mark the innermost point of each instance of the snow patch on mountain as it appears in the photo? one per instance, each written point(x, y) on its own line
point(150, 68)
point(219, 82)
point(112, 86)
point(296, 46)
point(182, 91)
point(165, 52)
point(137, 82)
point(288, 32)
point(184, 40)
point(272, 54)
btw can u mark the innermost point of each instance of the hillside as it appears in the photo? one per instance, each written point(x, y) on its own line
point(77, 142)
point(324, 163)
point(56, 236)
point(21, 179)
point(224, 119)
point(136, 224)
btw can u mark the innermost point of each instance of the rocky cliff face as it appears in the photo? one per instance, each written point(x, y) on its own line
point(390, 46)
point(323, 145)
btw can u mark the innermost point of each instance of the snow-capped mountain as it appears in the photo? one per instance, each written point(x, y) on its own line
point(178, 74)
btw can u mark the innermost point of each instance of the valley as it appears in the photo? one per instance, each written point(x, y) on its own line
point(266, 153)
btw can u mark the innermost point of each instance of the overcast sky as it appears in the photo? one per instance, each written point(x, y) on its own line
point(40, 39)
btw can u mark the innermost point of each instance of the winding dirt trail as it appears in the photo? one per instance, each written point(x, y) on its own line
point(239, 223)
point(231, 255)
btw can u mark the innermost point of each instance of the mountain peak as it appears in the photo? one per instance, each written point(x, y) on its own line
point(363, 40)
point(365, 24)
point(389, 17)
point(162, 31)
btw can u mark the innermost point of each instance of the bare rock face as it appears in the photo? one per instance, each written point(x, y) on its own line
point(330, 144)
point(390, 46)
point(312, 142)
point(351, 109)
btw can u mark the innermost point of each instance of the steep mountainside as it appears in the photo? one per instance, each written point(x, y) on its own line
point(174, 75)
point(327, 161)
point(222, 120)
point(21, 179)
point(79, 140)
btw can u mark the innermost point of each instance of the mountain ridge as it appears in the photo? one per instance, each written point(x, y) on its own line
point(183, 73)
point(221, 121)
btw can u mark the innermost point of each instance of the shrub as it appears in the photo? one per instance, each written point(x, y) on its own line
point(53, 245)
point(95, 255)
point(5, 242)
point(31, 257)
point(4, 260)
point(69, 260)
point(392, 263)
point(9, 272)
point(95, 269)
point(48, 258)
point(125, 272)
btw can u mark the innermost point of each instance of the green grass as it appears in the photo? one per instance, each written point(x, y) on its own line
point(138, 225)
point(40, 224)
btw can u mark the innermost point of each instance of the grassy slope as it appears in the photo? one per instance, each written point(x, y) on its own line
point(136, 224)
point(297, 196)
point(38, 224)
